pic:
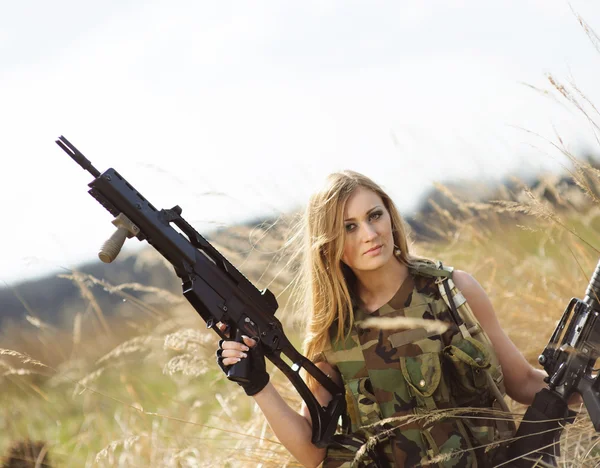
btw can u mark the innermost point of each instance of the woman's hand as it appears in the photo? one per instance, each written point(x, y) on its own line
point(232, 352)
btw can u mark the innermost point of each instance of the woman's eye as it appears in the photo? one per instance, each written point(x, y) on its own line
point(375, 215)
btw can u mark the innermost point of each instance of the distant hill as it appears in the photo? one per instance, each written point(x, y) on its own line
point(50, 297)
point(461, 200)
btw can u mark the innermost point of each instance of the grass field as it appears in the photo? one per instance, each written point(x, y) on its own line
point(152, 394)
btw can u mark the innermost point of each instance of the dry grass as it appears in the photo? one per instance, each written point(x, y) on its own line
point(406, 323)
point(157, 397)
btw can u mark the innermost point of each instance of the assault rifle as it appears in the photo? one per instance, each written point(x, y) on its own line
point(212, 285)
point(570, 368)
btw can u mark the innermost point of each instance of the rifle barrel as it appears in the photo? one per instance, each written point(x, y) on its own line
point(77, 156)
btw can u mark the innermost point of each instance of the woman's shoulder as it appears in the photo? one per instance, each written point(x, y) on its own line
point(464, 280)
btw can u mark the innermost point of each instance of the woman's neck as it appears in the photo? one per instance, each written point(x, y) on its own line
point(377, 287)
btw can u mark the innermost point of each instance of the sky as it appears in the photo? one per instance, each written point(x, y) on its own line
point(235, 110)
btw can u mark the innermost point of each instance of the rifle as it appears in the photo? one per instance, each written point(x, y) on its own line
point(212, 285)
point(570, 368)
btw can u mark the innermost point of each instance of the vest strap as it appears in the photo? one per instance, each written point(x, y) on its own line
point(446, 286)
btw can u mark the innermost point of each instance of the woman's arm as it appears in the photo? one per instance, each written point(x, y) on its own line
point(296, 438)
point(522, 381)
point(292, 429)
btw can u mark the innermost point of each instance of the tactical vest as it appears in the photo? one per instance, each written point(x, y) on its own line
point(412, 376)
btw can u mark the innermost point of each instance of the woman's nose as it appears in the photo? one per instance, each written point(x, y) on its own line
point(369, 232)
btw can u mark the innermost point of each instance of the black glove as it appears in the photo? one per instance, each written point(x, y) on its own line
point(258, 376)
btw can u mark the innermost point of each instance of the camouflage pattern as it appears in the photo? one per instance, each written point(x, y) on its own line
point(403, 373)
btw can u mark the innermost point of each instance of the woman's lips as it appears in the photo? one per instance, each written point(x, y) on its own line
point(374, 251)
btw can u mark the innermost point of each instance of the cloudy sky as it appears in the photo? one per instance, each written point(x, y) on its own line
point(258, 101)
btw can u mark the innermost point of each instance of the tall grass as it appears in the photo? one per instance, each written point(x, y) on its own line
point(156, 397)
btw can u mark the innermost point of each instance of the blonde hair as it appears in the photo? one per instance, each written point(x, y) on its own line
point(326, 283)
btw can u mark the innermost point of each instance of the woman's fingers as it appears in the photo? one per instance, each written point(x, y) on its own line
point(230, 361)
point(245, 346)
point(223, 328)
point(249, 341)
point(233, 352)
point(232, 355)
point(226, 345)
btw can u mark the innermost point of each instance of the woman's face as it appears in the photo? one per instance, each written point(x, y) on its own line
point(367, 225)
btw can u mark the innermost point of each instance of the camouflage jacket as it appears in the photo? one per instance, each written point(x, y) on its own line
point(403, 386)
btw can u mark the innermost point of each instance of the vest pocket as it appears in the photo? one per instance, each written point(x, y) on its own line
point(361, 404)
point(423, 374)
point(468, 359)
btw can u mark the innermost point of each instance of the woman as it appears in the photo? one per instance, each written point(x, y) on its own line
point(357, 266)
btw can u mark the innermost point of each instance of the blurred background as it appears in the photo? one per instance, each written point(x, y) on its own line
point(237, 111)
point(254, 103)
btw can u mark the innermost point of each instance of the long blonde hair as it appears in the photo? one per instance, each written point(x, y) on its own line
point(327, 283)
